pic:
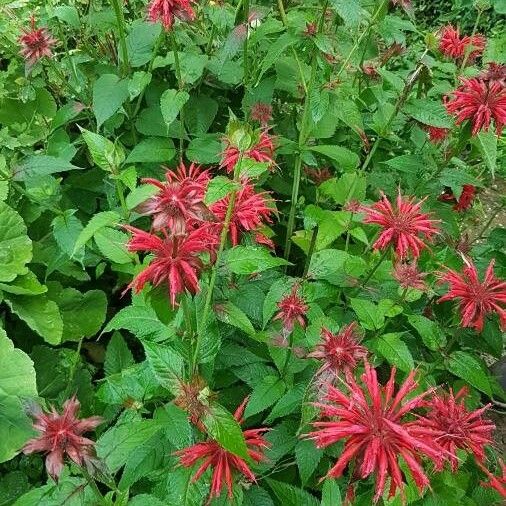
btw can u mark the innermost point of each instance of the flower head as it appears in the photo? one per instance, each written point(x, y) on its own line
point(466, 198)
point(452, 45)
point(495, 72)
point(437, 135)
point(261, 151)
point(452, 426)
point(408, 276)
point(36, 43)
point(166, 10)
point(476, 299)
point(496, 482)
point(176, 261)
point(251, 211)
point(193, 397)
point(178, 200)
point(222, 461)
point(61, 435)
point(370, 418)
point(292, 309)
point(481, 102)
point(318, 176)
point(261, 112)
point(402, 223)
point(339, 352)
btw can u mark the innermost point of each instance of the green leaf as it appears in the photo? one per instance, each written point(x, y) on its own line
point(112, 244)
point(331, 495)
point(350, 186)
point(192, 66)
point(171, 102)
point(109, 93)
point(24, 284)
point(369, 314)
point(275, 51)
point(141, 321)
point(218, 188)
point(138, 83)
point(66, 230)
point(68, 14)
point(117, 356)
point(428, 112)
point(456, 178)
point(66, 113)
point(105, 154)
point(140, 41)
point(465, 366)
point(264, 395)
point(289, 495)
point(152, 150)
point(100, 220)
point(432, 335)
point(250, 259)
point(289, 403)
point(229, 313)
point(15, 245)
point(41, 165)
point(166, 363)
point(486, 142)
point(307, 457)
point(199, 114)
point(277, 290)
point(394, 350)
point(349, 10)
point(336, 267)
point(40, 314)
point(140, 194)
point(204, 149)
point(345, 159)
point(224, 428)
point(140, 499)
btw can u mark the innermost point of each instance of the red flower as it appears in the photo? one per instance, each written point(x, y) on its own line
point(437, 135)
point(261, 151)
point(176, 262)
point(496, 482)
point(476, 299)
point(495, 72)
point(36, 43)
point(165, 10)
point(481, 102)
point(402, 225)
point(179, 199)
point(222, 461)
point(292, 309)
point(339, 352)
point(63, 434)
point(454, 46)
point(466, 198)
point(370, 418)
point(262, 113)
point(408, 276)
point(251, 211)
point(449, 423)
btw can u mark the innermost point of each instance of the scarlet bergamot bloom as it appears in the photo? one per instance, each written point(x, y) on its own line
point(166, 10)
point(36, 43)
point(292, 308)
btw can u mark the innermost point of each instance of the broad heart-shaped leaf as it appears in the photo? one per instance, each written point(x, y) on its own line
point(171, 102)
point(97, 222)
point(166, 363)
point(428, 112)
point(268, 391)
point(250, 259)
point(486, 142)
point(109, 93)
point(290, 495)
point(465, 366)
point(394, 350)
point(331, 495)
point(40, 313)
point(432, 335)
point(345, 159)
point(152, 150)
point(140, 41)
point(41, 165)
point(15, 245)
point(224, 428)
point(105, 154)
point(117, 356)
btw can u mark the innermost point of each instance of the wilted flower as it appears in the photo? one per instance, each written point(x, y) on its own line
point(251, 211)
point(370, 70)
point(452, 426)
point(61, 435)
point(352, 206)
point(495, 73)
point(394, 49)
point(370, 418)
point(165, 11)
point(436, 134)
point(311, 29)
point(318, 176)
point(476, 299)
point(481, 102)
point(193, 397)
point(178, 200)
point(36, 43)
point(408, 276)
point(496, 482)
point(402, 225)
point(175, 261)
point(338, 352)
point(222, 461)
point(292, 309)
point(261, 112)
point(405, 4)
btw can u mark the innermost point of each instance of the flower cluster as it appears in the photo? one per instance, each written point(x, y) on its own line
point(36, 43)
point(454, 46)
point(166, 11)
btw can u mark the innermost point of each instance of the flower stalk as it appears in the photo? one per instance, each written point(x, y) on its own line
point(180, 85)
point(120, 20)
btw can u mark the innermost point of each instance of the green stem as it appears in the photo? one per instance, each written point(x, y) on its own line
point(374, 269)
point(120, 20)
point(62, 77)
point(469, 49)
point(310, 252)
point(180, 85)
point(246, 44)
point(73, 368)
point(485, 227)
point(282, 12)
point(91, 482)
point(288, 354)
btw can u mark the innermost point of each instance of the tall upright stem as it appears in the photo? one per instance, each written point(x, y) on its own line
point(180, 85)
point(120, 20)
point(469, 50)
point(246, 44)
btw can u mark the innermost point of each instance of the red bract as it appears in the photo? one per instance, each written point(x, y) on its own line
point(495, 72)
point(262, 113)
point(63, 434)
point(178, 200)
point(36, 43)
point(481, 102)
point(476, 299)
point(371, 421)
point(292, 309)
point(454, 46)
point(437, 135)
point(408, 276)
point(339, 352)
point(402, 225)
point(452, 426)
point(261, 151)
point(176, 262)
point(496, 482)
point(222, 461)
point(466, 198)
point(251, 211)
point(165, 11)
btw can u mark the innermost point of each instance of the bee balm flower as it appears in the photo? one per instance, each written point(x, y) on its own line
point(166, 10)
point(36, 43)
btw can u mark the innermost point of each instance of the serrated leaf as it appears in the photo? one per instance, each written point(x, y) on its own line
point(428, 112)
point(152, 150)
point(465, 366)
point(117, 356)
point(66, 230)
point(171, 102)
point(41, 165)
point(166, 363)
point(112, 244)
point(486, 142)
point(289, 495)
point(140, 41)
point(331, 495)
point(140, 194)
point(229, 313)
point(265, 394)
point(394, 350)
point(100, 220)
point(368, 313)
point(349, 10)
point(432, 335)
point(109, 93)
point(275, 51)
point(288, 403)
point(307, 456)
point(105, 154)
point(218, 188)
point(250, 259)
point(24, 284)
point(345, 159)
point(336, 267)
point(350, 186)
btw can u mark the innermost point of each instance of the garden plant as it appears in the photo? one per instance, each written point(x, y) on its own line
point(252, 253)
